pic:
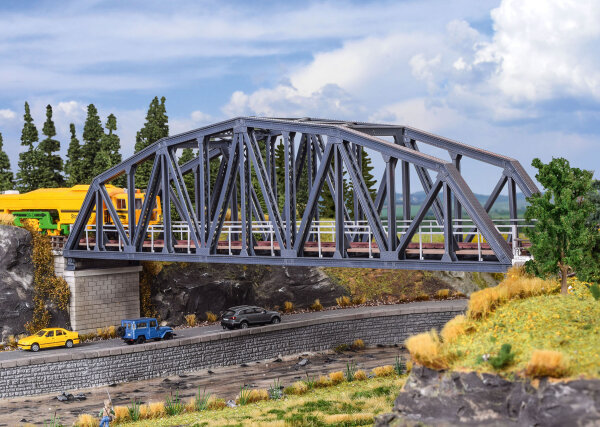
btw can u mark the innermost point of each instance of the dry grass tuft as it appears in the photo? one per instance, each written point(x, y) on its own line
point(455, 328)
point(358, 344)
point(336, 377)
point(107, 332)
point(547, 363)
point(215, 403)
point(517, 284)
point(322, 382)
point(121, 414)
point(343, 301)
point(144, 412)
point(299, 387)
point(211, 317)
point(7, 219)
point(288, 306)
point(443, 293)
point(258, 395)
point(316, 306)
point(157, 409)
point(426, 349)
point(409, 366)
point(190, 405)
point(360, 375)
point(384, 371)
point(87, 420)
point(422, 297)
point(349, 419)
point(191, 320)
point(358, 299)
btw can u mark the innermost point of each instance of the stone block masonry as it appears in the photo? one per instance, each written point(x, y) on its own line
point(69, 371)
point(100, 297)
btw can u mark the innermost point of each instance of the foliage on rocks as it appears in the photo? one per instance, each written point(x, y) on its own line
point(47, 288)
point(150, 269)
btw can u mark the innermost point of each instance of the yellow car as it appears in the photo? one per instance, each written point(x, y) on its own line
point(49, 337)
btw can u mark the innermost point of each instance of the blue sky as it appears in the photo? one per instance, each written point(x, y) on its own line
point(518, 77)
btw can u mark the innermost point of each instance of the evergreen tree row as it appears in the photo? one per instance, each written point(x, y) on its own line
point(40, 165)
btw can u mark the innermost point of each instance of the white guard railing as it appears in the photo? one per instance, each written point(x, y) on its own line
point(324, 231)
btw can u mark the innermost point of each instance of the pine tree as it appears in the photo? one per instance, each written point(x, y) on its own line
point(51, 164)
point(92, 145)
point(73, 164)
point(101, 162)
point(6, 175)
point(28, 175)
point(155, 128)
point(280, 174)
point(111, 144)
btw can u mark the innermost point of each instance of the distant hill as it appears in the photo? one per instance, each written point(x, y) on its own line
point(499, 210)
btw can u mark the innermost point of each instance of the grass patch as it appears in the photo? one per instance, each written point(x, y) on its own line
point(524, 327)
point(346, 404)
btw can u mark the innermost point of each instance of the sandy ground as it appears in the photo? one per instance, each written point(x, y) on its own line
point(224, 382)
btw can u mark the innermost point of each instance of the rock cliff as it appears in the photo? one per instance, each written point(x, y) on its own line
point(16, 280)
point(470, 399)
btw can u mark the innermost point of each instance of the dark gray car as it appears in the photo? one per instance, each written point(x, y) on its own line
point(248, 315)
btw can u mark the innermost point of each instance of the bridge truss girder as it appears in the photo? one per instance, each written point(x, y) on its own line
point(325, 149)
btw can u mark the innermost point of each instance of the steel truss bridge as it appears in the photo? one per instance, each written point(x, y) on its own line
point(261, 231)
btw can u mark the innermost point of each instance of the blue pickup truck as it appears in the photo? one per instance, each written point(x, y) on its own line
point(143, 329)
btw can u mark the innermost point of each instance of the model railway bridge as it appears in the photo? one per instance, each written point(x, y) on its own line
point(238, 211)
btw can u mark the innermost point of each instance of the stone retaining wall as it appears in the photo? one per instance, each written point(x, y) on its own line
point(52, 373)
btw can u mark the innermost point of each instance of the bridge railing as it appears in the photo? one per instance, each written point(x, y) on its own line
point(323, 232)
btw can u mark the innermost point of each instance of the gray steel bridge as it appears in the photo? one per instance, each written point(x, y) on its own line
point(323, 151)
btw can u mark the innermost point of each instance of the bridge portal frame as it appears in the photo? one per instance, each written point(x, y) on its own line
point(325, 149)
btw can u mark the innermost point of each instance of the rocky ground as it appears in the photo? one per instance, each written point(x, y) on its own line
point(467, 398)
point(223, 382)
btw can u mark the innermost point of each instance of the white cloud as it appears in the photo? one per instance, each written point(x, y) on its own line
point(7, 115)
point(544, 50)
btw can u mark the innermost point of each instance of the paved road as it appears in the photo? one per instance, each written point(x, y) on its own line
point(207, 330)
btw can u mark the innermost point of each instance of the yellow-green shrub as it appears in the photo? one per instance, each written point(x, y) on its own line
point(443, 293)
point(358, 344)
point(316, 306)
point(547, 363)
point(288, 306)
point(190, 319)
point(343, 301)
point(211, 317)
point(336, 377)
point(383, 371)
point(426, 349)
point(358, 300)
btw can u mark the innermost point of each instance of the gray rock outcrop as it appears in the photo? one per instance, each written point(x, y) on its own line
point(180, 289)
point(467, 398)
point(16, 280)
